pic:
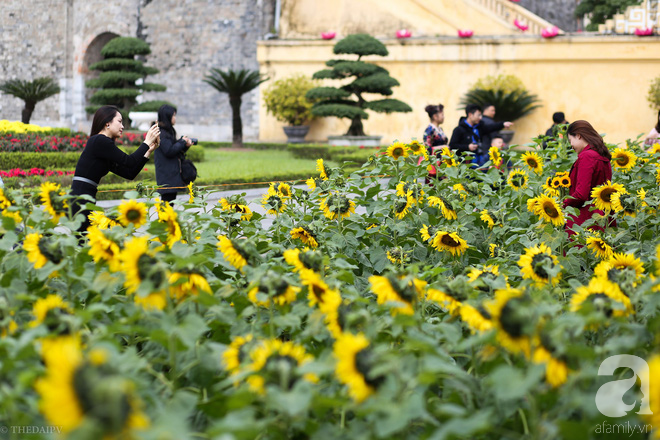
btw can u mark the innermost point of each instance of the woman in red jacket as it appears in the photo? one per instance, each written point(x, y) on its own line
point(591, 169)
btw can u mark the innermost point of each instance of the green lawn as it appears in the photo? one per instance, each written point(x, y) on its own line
point(223, 165)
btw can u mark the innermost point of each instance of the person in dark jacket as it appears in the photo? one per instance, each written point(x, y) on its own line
point(101, 156)
point(168, 156)
point(467, 135)
point(487, 118)
point(591, 169)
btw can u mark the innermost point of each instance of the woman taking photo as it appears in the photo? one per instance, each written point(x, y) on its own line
point(653, 136)
point(591, 169)
point(167, 157)
point(101, 155)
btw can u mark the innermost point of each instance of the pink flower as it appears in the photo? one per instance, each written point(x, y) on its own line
point(520, 25)
point(403, 33)
point(328, 35)
point(550, 32)
point(644, 32)
point(465, 33)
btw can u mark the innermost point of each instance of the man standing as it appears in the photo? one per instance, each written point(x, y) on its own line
point(488, 119)
point(468, 135)
point(557, 119)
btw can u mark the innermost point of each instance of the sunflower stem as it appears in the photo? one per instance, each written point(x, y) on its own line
point(343, 418)
point(523, 418)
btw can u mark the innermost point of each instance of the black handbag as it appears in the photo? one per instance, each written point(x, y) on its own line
point(187, 169)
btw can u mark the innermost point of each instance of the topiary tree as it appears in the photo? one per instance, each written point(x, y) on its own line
point(31, 92)
point(348, 101)
point(120, 74)
point(235, 83)
point(507, 93)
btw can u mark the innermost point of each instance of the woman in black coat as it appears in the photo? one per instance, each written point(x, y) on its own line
point(102, 156)
point(168, 156)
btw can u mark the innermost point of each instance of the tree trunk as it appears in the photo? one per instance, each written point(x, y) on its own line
point(26, 114)
point(356, 128)
point(237, 123)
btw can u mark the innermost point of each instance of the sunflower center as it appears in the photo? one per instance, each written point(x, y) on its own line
point(512, 319)
point(133, 215)
point(448, 240)
point(532, 163)
point(148, 270)
point(550, 210)
point(50, 250)
point(397, 152)
point(400, 206)
point(364, 362)
point(602, 303)
point(102, 398)
point(538, 265)
point(447, 204)
point(318, 292)
point(623, 160)
point(606, 194)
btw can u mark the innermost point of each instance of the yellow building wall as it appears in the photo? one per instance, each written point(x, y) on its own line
point(601, 79)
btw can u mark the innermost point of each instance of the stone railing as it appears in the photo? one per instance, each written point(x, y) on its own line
point(640, 16)
point(509, 11)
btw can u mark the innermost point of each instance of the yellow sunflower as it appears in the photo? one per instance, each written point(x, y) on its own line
point(460, 189)
point(167, 215)
point(132, 212)
point(549, 210)
point(486, 218)
point(495, 156)
point(602, 194)
point(235, 206)
point(536, 262)
point(4, 200)
point(397, 255)
point(403, 293)
point(652, 377)
point(306, 235)
point(273, 203)
point(52, 199)
point(620, 261)
point(410, 189)
point(14, 215)
point(450, 242)
point(337, 206)
point(354, 364)
point(236, 353)
point(510, 318)
point(556, 370)
point(477, 318)
point(533, 162)
point(276, 363)
point(100, 220)
point(448, 157)
point(140, 265)
point(78, 389)
point(304, 260)
point(402, 206)
point(280, 189)
point(43, 306)
point(191, 192)
point(490, 272)
point(318, 292)
point(549, 188)
point(445, 300)
point(232, 252)
point(626, 203)
point(623, 160)
point(273, 287)
point(311, 183)
point(320, 167)
point(187, 283)
point(492, 248)
point(604, 296)
point(102, 248)
point(448, 210)
point(397, 150)
point(428, 232)
point(518, 179)
point(416, 147)
point(599, 247)
point(40, 250)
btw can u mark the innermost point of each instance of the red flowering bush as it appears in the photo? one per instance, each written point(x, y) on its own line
point(17, 172)
point(34, 142)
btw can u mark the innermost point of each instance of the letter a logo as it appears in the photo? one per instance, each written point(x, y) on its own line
point(609, 398)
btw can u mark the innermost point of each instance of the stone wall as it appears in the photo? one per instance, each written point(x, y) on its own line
point(561, 13)
point(61, 38)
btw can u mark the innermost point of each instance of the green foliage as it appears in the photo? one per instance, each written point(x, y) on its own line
point(47, 161)
point(235, 83)
point(506, 92)
point(285, 99)
point(125, 47)
point(150, 106)
point(31, 92)
point(116, 85)
point(653, 96)
point(601, 10)
point(367, 78)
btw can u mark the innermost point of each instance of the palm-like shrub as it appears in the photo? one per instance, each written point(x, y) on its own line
point(235, 83)
point(348, 101)
point(506, 92)
point(119, 73)
point(653, 96)
point(31, 92)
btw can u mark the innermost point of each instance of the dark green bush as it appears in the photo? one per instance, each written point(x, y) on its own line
point(150, 106)
point(47, 161)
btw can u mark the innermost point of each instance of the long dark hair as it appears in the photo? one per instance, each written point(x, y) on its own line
point(165, 113)
point(590, 136)
point(657, 125)
point(102, 116)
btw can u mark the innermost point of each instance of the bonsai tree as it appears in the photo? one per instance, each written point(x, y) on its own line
point(507, 93)
point(285, 99)
point(120, 75)
point(31, 92)
point(235, 83)
point(348, 101)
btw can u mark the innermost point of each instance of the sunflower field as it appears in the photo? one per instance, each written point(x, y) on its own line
point(364, 305)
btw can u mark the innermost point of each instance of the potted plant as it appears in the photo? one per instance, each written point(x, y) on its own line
point(285, 99)
point(508, 94)
point(360, 79)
